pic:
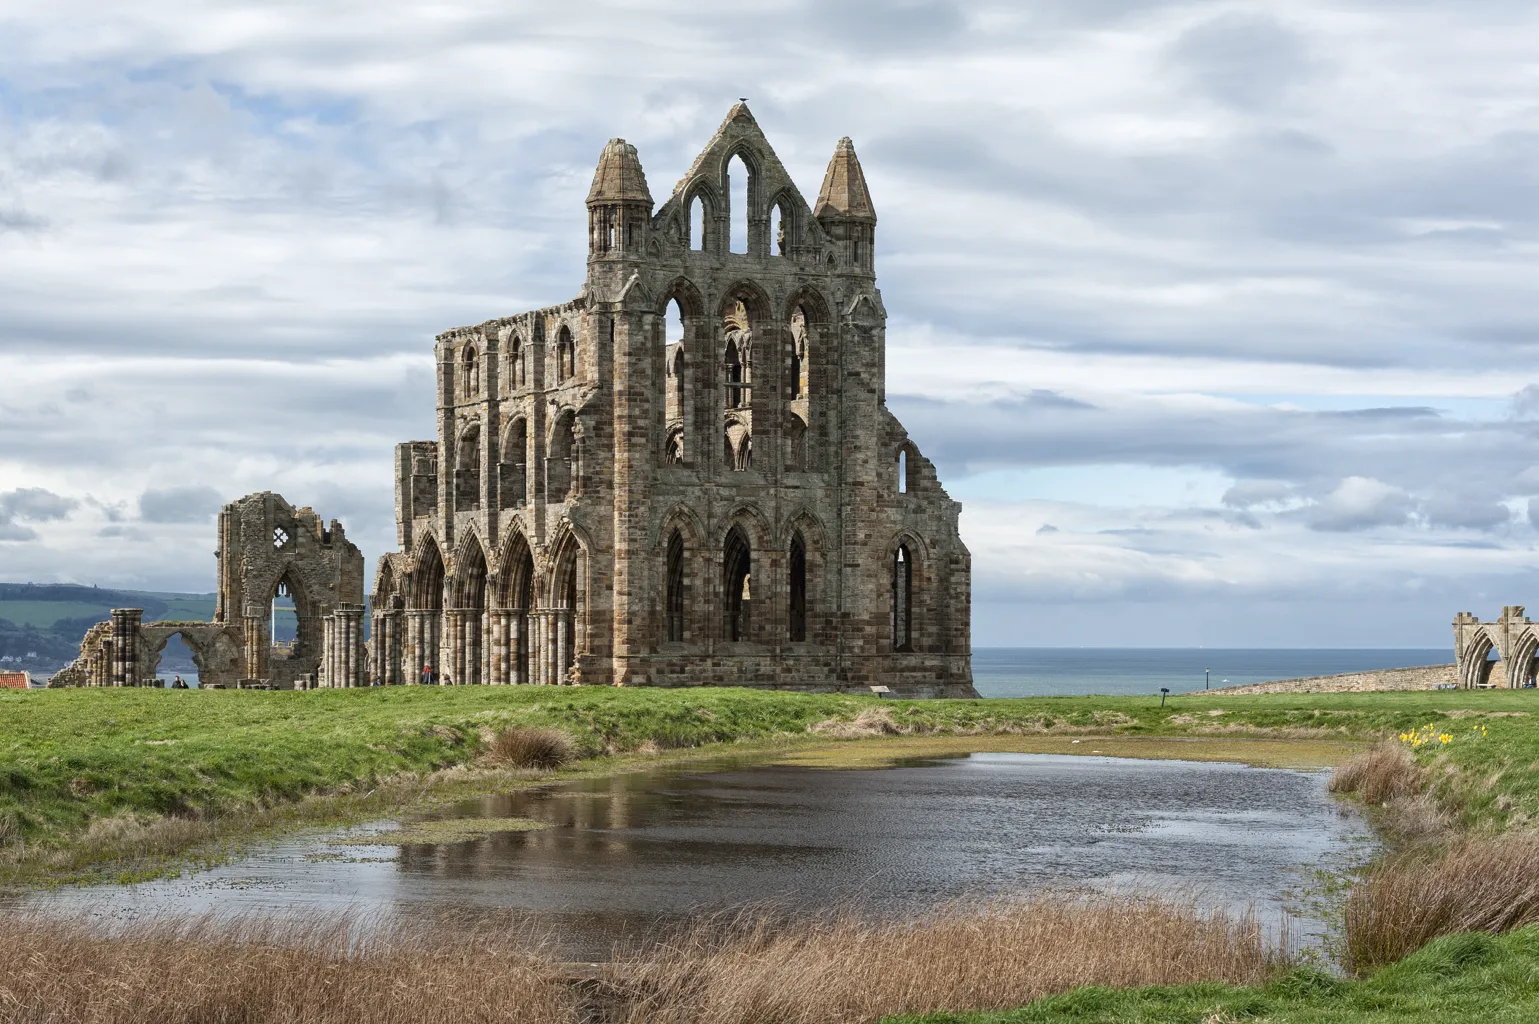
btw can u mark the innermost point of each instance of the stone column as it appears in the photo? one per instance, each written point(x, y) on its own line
point(518, 664)
point(257, 641)
point(125, 646)
point(326, 671)
point(558, 623)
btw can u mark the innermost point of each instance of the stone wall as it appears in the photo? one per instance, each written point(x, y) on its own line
point(1424, 677)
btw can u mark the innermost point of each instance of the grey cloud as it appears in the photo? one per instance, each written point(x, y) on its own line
point(1461, 512)
point(1247, 494)
point(1359, 503)
point(1046, 528)
point(1245, 58)
point(36, 504)
point(179, 505)
point(1525, 405)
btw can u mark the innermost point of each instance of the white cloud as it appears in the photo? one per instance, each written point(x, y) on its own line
point(1262, 269)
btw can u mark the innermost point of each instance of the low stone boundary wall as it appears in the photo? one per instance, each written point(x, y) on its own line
point(1423, 677)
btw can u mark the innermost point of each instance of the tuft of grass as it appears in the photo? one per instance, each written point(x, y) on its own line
point(1484, 883)
point(1381, 773)
point(522, 746)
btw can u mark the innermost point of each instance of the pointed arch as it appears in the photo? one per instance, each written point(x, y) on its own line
point(515, 602)
point(517, 372)
point(566, 355)
point(1521, 667)
point(513, 470)
point(427, 575)
point(467, 468)
point(796, 585)
point(702, 202)
point(902, 599)
point(673, 598)
point(470, 371)
point(737, 585)
point(567, 599)
point(739, 187)
point(561, 463)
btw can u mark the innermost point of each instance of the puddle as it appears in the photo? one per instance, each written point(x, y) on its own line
point(596, 860)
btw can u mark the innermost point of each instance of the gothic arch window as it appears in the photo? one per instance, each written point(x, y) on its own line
point(697, 224)
point(472, 371)
point(515, 464)
point(739, 191)
point(902, 599)
point(779, 225)
point(902, 470)
point(675, 596)
point(797, 599)
point(796, 443)
point(566, 355)
point(515, 362)
point(674, 382)
point(737, 579)
point(467, 471)
point(561, 469)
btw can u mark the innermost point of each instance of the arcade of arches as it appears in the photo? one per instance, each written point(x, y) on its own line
point(688, 474)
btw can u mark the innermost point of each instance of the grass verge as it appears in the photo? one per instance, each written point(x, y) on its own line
point(115, 783)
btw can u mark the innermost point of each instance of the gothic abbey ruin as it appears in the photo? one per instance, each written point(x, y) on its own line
point(1500, 654)
point(687, 474)
point(267, 549)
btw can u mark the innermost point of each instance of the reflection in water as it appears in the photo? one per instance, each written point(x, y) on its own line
point(622, 853)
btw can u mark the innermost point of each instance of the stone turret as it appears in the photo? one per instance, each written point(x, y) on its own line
point(619, 204)
point(844, 206)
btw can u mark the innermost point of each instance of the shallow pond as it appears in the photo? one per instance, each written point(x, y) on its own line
point(621, 853)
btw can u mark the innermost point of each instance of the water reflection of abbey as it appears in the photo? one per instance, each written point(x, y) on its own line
point(688, 474)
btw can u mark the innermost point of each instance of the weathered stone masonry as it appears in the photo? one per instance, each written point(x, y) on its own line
point(604, 504)
point(266, 548)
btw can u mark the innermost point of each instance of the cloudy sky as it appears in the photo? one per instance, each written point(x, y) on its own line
point(1222, 319)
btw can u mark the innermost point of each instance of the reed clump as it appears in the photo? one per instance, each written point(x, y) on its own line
point(759, 970)
point(1487, 884)
point(522, 746)
point(207, 972)
point(1381, 773)
point(756, 968)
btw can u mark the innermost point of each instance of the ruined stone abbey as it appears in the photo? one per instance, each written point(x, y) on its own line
point(687, 474)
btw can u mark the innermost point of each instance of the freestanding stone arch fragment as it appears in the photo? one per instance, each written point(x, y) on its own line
point(264, 543)
point(1514, 638)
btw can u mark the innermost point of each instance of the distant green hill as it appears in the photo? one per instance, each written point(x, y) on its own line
point(41, 624)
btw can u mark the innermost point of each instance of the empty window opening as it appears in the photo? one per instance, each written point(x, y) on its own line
point(799, 353)
point(797, 607)
point(673, 321)
point(777, 227)
point(675, 597)
point(566, 355)
point(568, 647)
point(472, 372)
point(467, 471)
point(515, 463)
point(516, 363)
point(737, 569)
point(902, 472)
point(737, 204)
point(697, 224)
point(796, 443)
point(561, 463)
point(283, 625)
point(902, 600)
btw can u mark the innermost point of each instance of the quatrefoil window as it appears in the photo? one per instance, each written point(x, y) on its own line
point(280, 536)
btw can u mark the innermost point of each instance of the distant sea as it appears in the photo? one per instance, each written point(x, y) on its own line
point(1044, 671)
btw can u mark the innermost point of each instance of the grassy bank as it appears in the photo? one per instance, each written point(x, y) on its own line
point(1461, 978)
point(83, 773)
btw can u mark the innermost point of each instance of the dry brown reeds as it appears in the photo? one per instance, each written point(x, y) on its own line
point(1479, 884)
point(204, 972)
point(522, 746)
point(754, 969)
point(1379, 774)
point(961, 957)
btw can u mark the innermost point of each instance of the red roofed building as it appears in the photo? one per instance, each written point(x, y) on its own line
point(15, 680)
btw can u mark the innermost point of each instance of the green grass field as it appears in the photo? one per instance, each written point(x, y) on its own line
point(69, 756)
point(1461, 978)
